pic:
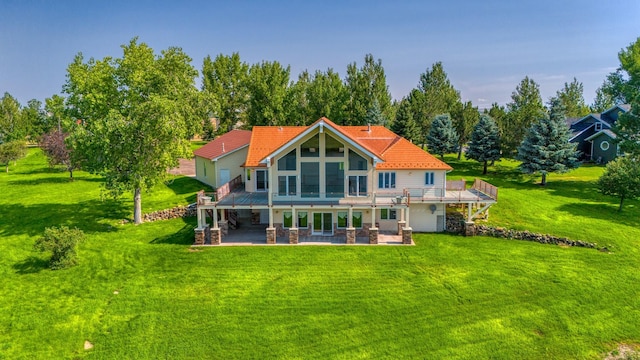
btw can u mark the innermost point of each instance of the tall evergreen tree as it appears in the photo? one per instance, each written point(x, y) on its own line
point(268, 87)
point(374, 115)
point(404, 125)
point(224, 82)
point(442, 136)
point(485, 142)
point(524, 109)
point(571, 96)
point(465, 117)
point(435, 95)
point(546, 147)
point(366, 85)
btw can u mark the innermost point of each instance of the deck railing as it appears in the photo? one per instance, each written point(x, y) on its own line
point(228, 187)
point(486, 188)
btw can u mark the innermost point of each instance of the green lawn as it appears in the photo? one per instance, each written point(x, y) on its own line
point(142, 292)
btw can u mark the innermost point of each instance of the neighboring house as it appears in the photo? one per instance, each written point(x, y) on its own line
point(218, 161)
point(594, 137)
point(331, 180)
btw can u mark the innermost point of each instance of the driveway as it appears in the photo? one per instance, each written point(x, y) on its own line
point(187, 167)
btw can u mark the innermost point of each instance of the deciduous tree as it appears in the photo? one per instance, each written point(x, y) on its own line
point(57, 151)
point(366, 85)
point(12, 125)
point(525, 108)
point(571, 96)
point(442, 136)
point(621, 178)
point(485, 142)
point(465, 117)
point(137, 113)
point(327, 96)
point(546, 147)
point(12, 151)
point(268, 87)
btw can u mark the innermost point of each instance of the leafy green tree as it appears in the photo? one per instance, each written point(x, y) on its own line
point(442, 136)
point(621, 178)
point(12, 151)
point(546, 147)
point(35, 119)
point(297, 101)
point(56, 113)
point(627, 128)
point(268, 87)
point(485, 142)
point(224, 82)
point(435, 95)
point(571, 96)
point(525, 108)
point(137, 113)
point(12, 125)
point(327, 96)
point(602, 101)
point(62, 243)
point(465, 117)
point(404, 125)
point(366, 85)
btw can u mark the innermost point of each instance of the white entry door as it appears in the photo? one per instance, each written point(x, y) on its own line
point(225, 176)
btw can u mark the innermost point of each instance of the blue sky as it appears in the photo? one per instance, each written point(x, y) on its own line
point(486, 46)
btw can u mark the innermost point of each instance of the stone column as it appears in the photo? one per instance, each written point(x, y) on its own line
point(351, 235)
point(373, 235)
point(224, 226)
point(293, 235)
point(199, 237)
point(401, 225)
point(271, 235)
point(406, 236)
point(469, 228)
point(216, 236)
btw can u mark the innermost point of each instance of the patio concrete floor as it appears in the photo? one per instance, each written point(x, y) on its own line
point(256, 235)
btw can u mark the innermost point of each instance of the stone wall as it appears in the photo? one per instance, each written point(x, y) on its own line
point(173, 213)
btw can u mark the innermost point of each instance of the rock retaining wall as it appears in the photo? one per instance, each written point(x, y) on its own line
point(173, 213)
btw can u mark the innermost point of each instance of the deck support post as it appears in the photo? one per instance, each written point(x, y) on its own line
point(406, 236)
point(293, 235)
point(271, 235)
point(351, 235)
point(373, 235)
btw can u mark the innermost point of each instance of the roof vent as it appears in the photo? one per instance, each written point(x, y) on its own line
point(279, 128)
point(222, 147)
point(369, 127)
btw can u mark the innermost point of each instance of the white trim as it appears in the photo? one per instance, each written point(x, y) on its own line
point(602, 145)
point(590, 138)
point(227, 153)
point(580, 133)
point(321, 124)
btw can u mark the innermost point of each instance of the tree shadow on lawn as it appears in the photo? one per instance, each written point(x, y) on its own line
point(30, 265)
point(52, 180)
point(184, 236)
point(88, 216)
point(605, 211)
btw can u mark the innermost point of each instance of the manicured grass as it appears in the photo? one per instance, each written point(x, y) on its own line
point(142, 292)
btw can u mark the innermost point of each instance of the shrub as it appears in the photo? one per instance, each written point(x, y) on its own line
point(62, 243)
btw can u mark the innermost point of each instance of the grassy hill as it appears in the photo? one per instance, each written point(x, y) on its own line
point(143, 292)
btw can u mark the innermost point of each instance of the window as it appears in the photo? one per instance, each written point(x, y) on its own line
point(310, 148)
point(248, 174)
point(604, 145)
point(205, 169)
point(387, 180)
point(356, 162)
point(287, 185)
point(334, 179)
point(428, 178)
point(387, 214)
point(598, 126)
point(288, 162)
point(342, 219)
point(287, 219)
point(332, 147)
point(356, 222)
point(303, 219)
point(262, 182)
point(358, 185)
point(310, 179)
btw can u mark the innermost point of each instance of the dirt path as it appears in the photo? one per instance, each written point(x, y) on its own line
point(187, 167)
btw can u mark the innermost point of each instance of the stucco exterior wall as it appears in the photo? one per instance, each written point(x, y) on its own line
point(422, 220)
point(205, 171)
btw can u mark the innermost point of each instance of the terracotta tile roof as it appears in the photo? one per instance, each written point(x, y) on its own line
point(224, 144)
point(395, 151)
point(267, 139)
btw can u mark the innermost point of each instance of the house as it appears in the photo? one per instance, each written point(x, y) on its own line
point(594, 137)
point(351, 182)
point(217, 161)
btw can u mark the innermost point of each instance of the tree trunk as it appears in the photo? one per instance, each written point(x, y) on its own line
point(484, 171)
point(137, 207)
point(459, 152)
point(7, 168)
point(71, 174)
point(544, 179)
point(621, 201)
